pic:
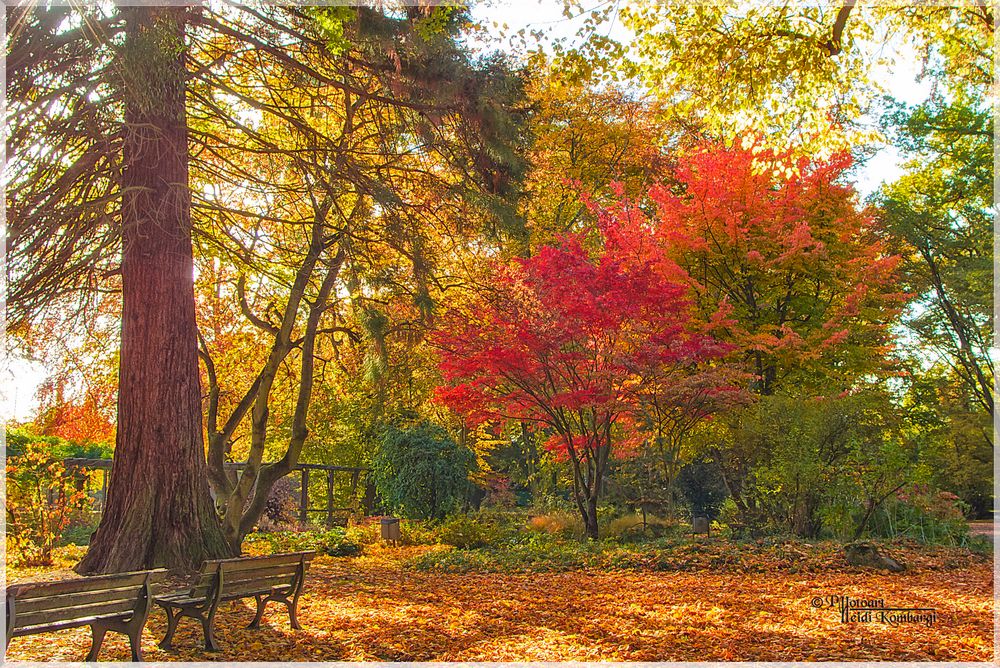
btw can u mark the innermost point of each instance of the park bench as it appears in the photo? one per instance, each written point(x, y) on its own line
point(278, 577)
point(119, 602)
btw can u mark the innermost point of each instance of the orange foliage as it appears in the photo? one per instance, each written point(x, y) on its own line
point(80, 422)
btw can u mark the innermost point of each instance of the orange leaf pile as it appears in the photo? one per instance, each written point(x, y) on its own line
point(372, 608)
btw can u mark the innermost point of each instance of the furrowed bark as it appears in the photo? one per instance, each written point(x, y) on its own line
point(159, 511)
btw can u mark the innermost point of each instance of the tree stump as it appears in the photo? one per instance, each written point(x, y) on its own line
point(867, 555)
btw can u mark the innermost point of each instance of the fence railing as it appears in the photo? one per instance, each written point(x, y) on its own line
point(329, 512)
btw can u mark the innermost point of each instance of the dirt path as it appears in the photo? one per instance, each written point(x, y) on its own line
point(371, 609)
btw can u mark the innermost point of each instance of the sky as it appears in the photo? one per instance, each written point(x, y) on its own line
point(19, 378)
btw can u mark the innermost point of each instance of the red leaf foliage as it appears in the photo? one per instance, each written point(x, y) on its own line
point(572, 339)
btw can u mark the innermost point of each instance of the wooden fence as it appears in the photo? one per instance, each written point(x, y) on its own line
point(330, 513)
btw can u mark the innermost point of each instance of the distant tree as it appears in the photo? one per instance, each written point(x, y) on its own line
point(586, 135)
point(781, 246)
point(570, 341)
point(809, 465)
point(938, 214)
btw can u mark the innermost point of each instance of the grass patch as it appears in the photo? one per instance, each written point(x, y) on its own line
point(546, 554)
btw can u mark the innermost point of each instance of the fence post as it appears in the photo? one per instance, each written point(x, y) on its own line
point(355, 501)
point(304, 498)
point(329, 498)
point(104, 488)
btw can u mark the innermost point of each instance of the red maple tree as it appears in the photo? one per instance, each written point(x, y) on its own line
point(573, 341)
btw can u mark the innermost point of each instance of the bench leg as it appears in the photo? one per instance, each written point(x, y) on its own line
point(292, 609)
point(98, 632)
point(135, 643)
point(206, 625)
point(172, 619)
point(261, 604)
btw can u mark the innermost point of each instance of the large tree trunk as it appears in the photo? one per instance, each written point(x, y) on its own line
point(159, 511)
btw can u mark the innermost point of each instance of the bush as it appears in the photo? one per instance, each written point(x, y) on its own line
point(923, 514)
point(540, 552)
point(746, 524)
point(499, 492)
point(364, 534)
point(625, 526)
point(19, 438)
point(79, 531)
point(480, 530)
point(703, 488)
point(42, 500)
point(412, 532)
point(629, 528)
point(544, 553)
point(333, 542)
point(557, 522)
point(416, 532)
point(794, 460)
point(420, 472)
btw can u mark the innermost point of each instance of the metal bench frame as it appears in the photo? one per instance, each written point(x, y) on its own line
point(203, 607)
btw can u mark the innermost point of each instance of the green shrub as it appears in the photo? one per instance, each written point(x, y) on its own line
point(78, 532)
point(979, 544)
point(742, 525)
point(479, 530)
point(18, 439)
point(923, 514)
point(539, 553)
point(631, 528)
point(364, 534)
point(417, 532)
point(703, 488)
point(420, 472)
point(333, 542)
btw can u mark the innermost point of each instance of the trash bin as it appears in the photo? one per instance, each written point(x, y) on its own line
point(390, 529)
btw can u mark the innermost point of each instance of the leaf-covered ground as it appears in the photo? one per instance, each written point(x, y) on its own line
point(375, 608)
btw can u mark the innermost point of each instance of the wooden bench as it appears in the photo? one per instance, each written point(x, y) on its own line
point(119, 602)
point(278, 577)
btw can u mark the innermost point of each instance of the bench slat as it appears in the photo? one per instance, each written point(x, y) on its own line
point(203, 585)
point(248, 587)
point(231, 591)
point(261, 572)
point(283, 590)
point(308, 554)
point(181, 599)
point(76, 599)
point(250, 563)
point(65, 614)
point(59, 626)
point(29, 590)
